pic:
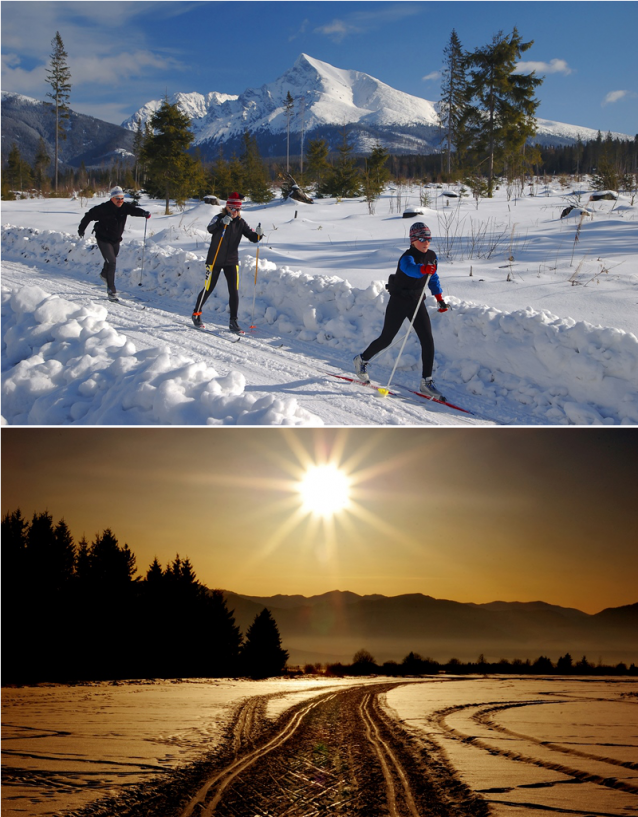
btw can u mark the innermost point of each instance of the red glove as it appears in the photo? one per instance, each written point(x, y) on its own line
point(428, 269)
point(443, 307)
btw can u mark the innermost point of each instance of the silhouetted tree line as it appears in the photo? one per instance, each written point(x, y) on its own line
point(363, 663)
point(77, 612)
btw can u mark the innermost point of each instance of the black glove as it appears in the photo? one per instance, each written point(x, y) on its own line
point(81, 233)
point(442, 306)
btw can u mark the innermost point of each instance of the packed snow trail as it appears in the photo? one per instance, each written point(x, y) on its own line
point(523, 367)
point(72, 357)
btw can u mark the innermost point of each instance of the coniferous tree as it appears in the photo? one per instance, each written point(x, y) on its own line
point(169, 168)
point(288, 106)
point(59, 78)
point(221, 177)
point(262, 655)
point(19, 173)
point(345, 179)
point(317, 165)
point(375, 174)
point(453, 98)
point(256, 181)
point(503, 101)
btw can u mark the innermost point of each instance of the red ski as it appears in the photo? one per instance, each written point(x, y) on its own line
point(398, 394)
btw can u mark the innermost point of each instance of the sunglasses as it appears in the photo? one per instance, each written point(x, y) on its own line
point(234, 209)
point(422, 240)
point(118, 198)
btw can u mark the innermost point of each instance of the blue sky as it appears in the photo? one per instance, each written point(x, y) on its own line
point(122, 54)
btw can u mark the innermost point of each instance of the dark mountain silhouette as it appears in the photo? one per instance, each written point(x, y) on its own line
point(89, 140)
point(333, 626)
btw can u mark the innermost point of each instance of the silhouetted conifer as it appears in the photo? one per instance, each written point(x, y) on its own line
point(262, 655)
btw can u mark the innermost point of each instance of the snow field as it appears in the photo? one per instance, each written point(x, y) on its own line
point(547, 744)
point(558, 370)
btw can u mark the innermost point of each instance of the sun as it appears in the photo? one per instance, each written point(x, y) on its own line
point(324, 490)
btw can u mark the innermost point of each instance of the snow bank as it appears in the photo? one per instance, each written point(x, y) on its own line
point(561, 370)
point(66, 365)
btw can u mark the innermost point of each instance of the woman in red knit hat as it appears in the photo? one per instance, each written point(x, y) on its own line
point(226, 229)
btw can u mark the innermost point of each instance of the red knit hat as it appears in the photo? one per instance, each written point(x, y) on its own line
point(234, 201)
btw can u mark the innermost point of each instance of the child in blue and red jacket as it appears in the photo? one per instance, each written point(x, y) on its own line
point(406, 289)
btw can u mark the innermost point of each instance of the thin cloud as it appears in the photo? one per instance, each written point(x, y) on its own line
point(551, 67)
point(360, 22)
point(337, 30)
point(300, 31)
point(616, 96)
point(433, 75)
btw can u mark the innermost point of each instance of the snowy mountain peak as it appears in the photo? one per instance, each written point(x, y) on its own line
point(326, 99)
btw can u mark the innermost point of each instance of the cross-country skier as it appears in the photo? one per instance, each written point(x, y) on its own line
point(406, 288)
point(111, 220)
point(226, 229)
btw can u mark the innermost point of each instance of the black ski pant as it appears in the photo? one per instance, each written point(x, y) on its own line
point(109, 253)
point(398, 310)
point(232, 279)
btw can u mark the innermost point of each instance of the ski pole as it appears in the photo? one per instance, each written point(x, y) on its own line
point(210, 267)
point(252, 320)
point(385, 392)
point(143, 252)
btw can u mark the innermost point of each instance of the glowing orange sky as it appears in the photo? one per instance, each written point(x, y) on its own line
point(471, 515)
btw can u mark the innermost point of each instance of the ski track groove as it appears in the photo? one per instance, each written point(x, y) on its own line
point(484, 717)
point(291, 370)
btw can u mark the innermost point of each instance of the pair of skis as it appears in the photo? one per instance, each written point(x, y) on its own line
point(397, 393)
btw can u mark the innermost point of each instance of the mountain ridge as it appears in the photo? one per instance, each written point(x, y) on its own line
point(332, 626)
point(334, 98)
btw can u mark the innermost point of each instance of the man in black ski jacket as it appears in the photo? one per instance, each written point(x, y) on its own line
point(111, 220)
point(226, 229)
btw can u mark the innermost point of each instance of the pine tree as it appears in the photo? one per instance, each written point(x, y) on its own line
point(317, 165)
point(170, 170)
point(138, 145)
point(220, 177)
point(59, 78)
point(453, 97)
point(288, 106)
point(19, 173)
point(262, 655)
point(256, 180)
point(504, 105)
point(375, 175)
point(345, 179)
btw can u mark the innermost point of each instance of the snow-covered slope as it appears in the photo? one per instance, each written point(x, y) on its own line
point(334, 97)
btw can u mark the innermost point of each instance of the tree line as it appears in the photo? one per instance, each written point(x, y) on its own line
point(487, 125)
point(78, 612)
point(364, 663)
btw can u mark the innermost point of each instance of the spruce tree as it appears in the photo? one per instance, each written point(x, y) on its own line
point(376, 174)
point(503, 101)
point(317, 165)
point(19, 173)
point(288, 106)
point(256, 180)
point(262, 655)
point(453, 97)
point(170, 170)
point(345, 179)
point(59, 78)
point(219, 177)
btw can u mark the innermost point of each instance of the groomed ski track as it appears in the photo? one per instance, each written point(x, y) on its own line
point(291, 371)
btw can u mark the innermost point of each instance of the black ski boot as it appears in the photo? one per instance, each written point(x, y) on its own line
point(234, 327)
point(197, 320)
point(112, 295)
